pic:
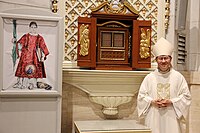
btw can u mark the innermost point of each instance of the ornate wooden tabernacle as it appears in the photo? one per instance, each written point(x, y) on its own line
point(113, 39)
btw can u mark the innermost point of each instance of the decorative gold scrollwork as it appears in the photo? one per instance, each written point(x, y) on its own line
point(54, 6)
point(145, 43)
point(163, 91)
point(167, 13)
point(84, 41)
point(115, 7)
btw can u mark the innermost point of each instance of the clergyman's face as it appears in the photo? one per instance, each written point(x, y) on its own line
point(164, 62)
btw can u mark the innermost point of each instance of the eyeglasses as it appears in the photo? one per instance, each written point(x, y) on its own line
point(166, 58)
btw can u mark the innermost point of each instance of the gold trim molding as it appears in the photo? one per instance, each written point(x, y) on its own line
point(113, 22)
point(145, 43)
point(54, 6)
point(84, 39)
point(167, 13)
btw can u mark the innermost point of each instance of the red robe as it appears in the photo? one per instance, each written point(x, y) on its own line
point(29, 65)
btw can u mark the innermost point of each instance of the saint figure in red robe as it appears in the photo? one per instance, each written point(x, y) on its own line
point(31, 51)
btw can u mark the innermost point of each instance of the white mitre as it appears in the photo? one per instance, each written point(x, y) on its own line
point(162, 47)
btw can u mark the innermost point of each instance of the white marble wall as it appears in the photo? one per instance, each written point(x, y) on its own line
point(195, 110)
point(9, 4)
point(193, 61)
point(194, 114)
point(193, 36)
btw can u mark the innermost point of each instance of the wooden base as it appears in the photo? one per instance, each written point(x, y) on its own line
point(113, 67)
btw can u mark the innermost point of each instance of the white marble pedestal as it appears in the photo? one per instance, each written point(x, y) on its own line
point(110, 126)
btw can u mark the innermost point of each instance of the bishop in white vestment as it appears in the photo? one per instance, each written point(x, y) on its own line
point(164, 97)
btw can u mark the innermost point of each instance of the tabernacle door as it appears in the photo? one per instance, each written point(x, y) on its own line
point(86, 56)
point(141, 46)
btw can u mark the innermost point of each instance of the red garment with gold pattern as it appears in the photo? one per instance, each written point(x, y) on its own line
point(29, 65)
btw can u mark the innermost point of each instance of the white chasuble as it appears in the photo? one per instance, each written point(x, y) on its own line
point(173, 86)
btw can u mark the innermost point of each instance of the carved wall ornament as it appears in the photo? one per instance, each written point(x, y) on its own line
point(115, 7)
point(54, 6)
point(84, 40)
point(73, 2)
point(145, 43)
point(167, 12)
